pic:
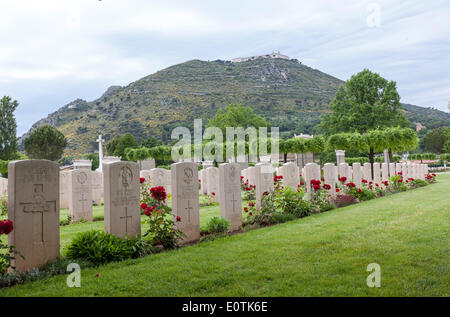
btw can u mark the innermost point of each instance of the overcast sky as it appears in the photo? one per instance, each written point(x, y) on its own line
point(54, 51)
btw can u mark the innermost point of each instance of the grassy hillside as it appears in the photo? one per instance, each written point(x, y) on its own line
point(321, 255)
point(288, 94)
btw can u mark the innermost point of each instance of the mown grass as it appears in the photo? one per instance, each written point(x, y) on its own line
point(407, 234)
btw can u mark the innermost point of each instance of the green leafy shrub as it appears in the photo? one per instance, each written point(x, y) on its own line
point(162, 229)
point(100, 247)
point(293, 202)
point(217, 225)
point(361, 160)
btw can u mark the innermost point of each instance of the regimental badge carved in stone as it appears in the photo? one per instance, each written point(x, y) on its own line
point(232, 172)
point(188, 174)
point(126, 176)
point(82, 178)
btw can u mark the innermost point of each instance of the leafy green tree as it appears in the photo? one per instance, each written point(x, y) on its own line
point(8, 127)
point(151, 142)
point(45, 142)
point(119, 144)
point(366, 102)
point(437, 140)
point(236, 115)
point(94, 159)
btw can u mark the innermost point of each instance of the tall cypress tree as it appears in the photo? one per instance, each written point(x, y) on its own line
point(8, 128)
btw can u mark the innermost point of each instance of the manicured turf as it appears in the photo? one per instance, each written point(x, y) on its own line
point(407, 234)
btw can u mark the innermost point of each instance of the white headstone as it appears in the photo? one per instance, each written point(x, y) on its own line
point(3, 186)
point(330, 173)
point(384, 172)
point(33, 207)
point(147, 164)
point(145, 174)
point(312, 172)
point(212, 176)
point(264, 181)
point(203, 182)
point(367, 172)
point(82, 164)
point(97, 187)
point(391, 169)
point(344, 171)
point(230, 194)
point(185, 199)
point(357, 174)
point(64, 194)
point(80, 189)
point(291, 175)
point(122, 201)
point(376, 173)
point(251, 175)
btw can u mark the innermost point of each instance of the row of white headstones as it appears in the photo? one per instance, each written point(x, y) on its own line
point(34, 197)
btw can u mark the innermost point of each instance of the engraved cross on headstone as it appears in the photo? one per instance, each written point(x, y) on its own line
point(189, 209)
point(83, 200)
point(38, 205)
point(126, 217)
point(233, 200)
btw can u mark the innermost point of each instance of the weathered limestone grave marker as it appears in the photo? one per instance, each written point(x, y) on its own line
point(64, 194)
point(230, 194)
point(97, 187)
point(264, 181)
point(185, 202)
point(291, 175)
point(33, 207)
point(330, 173)
point(80, 189)
point(122, 210)
point(212, 180)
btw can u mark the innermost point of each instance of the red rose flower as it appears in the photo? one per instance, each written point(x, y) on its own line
point(143, 205)
point(245, 209)
point(251, 204)
point(301, 183)
point(359, 190)
point(142, 180)
point(6, 226)
point(213, 193)
point(178, 218)
point(316, 187)
point(337, 190)
point(251, 214)
point(158, 193)
point(342, 179)
point(326, 186)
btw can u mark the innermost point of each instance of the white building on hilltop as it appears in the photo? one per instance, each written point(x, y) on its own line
point(275, 54)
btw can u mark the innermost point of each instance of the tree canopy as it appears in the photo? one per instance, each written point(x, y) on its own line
point(366, 102)
point(45, 142)
point(438, 140)
point(8, 127)
point(236, 115)
point(119, 144)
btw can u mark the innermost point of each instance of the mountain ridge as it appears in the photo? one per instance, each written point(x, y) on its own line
point(286, 93)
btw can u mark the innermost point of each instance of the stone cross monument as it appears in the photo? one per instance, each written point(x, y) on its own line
point(100, 152)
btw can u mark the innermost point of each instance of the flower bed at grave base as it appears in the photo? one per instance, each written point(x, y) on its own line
point(278, 205)
point(285, 203)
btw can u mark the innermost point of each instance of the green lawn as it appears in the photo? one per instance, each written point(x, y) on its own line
point(407, 234)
